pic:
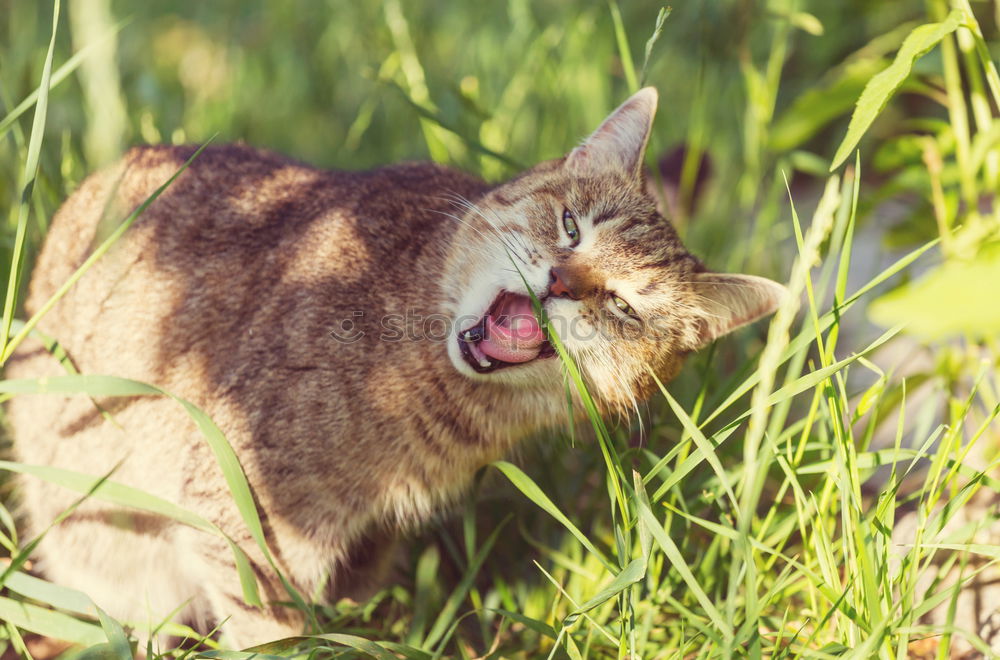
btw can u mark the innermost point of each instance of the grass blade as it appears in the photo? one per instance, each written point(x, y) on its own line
point(531, 490)
point(30, 324)
point(57, 77)
point(49, 623)
point(458, 595)
point(122, 495)
point(634, 572)
point(624, 52)
point(28, 185)
point(673, 555)
point(882, 86)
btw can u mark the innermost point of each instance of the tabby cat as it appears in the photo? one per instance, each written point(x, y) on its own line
point(365, 340)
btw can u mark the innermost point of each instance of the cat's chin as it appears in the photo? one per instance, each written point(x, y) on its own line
point(508, 335)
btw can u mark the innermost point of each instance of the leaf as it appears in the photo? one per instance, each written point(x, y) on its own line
point(955, 298)
point(259, 652)
point(122, 495)
point(813, 378)
point(624, 53)
point(224, 454)
point(676, 560)
point(458, 595)
point(632, 573)
point(870, 397)
point(703, 444)
point(373, 649)
point(57, 596)
point(881, 87)
point(806, 22)
point(118, 644)
point(57, 77)
point(990, 551)
point(531, 490)
point(538, 626)
point(49, 623)
point(641, 498)
point(27, 187)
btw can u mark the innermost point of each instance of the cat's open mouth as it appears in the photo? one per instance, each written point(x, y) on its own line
point(507, 335)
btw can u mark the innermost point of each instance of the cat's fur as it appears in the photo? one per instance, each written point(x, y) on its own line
point(232, 290)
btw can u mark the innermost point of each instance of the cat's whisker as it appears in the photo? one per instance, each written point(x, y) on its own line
point(515, 235)
point(465, 205)
point(500, 237)
point(710, 303)
point(469, 206)
point(470, 226)
point(717, 282)
point(459, 200)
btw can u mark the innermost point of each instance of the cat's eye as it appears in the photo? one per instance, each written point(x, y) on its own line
point(569, 224)
point(623, 306)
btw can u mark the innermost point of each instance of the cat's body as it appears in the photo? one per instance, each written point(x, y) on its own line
point(318, 317)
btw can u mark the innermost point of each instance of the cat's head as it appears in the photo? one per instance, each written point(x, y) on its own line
point(616, 284)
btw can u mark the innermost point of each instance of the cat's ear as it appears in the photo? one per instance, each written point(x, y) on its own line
point(619, 142)
point(728, 301)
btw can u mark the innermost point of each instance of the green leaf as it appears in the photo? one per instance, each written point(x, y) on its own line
point(425, 593)
point(458, 595)
point(705, 447)
point(676, 560)
point(373, 649)
point(881, 87)
point(531, 490)
point(27, 187)
point(955, 298)
point(224, 454)
point(632, 573)
point(110, 491)
point(624, 52)
point(538, 626)
point(43, 591)
point(118, 644)
point(49, 623)
point(989, 551)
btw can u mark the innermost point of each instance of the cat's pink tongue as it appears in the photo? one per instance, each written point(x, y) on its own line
point(512, 331)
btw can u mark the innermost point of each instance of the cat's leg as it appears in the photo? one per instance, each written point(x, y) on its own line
point(124, 561)
point(357, 575)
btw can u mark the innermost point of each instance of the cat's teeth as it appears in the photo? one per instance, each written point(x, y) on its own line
point(485, 364)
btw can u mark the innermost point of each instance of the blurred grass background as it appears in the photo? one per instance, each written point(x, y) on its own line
point(753, 95)
point(335, 83)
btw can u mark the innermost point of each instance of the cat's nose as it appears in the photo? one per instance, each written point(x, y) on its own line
point(557, 285)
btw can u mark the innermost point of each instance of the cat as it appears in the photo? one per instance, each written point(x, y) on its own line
point(365, 340)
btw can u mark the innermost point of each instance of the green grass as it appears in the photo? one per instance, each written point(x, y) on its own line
point(752, 513)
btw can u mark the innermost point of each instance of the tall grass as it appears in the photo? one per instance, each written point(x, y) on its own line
point(755, 512)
